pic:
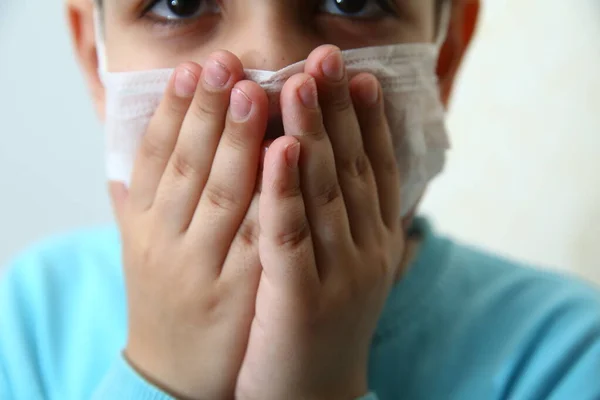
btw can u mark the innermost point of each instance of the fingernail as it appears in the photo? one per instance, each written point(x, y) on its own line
point(216, 74)
point(185, 83)
point(368, 91)
point(240, 105)
point(333, 66)
point(308, 94)
point(292, 155)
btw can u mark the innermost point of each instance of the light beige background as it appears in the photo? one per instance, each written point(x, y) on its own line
point(522, 178)
point(524, 174)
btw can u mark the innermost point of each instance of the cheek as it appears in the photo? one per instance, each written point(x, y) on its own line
point(150, 53)
point(348, 35)
point(135, 44)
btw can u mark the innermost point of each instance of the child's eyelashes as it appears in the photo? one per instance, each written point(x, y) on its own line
point(177, 10)
point(181, 11)
point(367, 9)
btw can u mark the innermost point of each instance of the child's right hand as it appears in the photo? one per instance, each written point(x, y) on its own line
point(189, 227)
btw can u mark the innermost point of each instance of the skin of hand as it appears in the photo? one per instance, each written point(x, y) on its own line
point(331, 237)
point(327, 242)
point(189, 229)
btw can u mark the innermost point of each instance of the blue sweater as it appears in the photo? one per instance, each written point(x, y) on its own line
point(461, 325)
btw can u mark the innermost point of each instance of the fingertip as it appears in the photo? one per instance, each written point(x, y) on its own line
point(316, 57)
point(280, 171)
point(249, 107)
point(292, 154)
point(231, 61)
point(291, 86)
point(185, 80)
point(299, 89)
point(365, 89)
point(192, 67)
point(254, 92)
point(281, 149)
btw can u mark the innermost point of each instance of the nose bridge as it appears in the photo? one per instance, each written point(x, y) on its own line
point(270, 40)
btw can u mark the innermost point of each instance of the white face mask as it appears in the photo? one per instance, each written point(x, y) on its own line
point(407, 73)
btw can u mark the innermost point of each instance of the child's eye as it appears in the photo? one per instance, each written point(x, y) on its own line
point(367, 9)
point(182, 9)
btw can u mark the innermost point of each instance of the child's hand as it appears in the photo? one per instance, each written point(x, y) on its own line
point(330, 238)
point(188, 224)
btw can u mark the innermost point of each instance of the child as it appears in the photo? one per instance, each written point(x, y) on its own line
point(293, 272)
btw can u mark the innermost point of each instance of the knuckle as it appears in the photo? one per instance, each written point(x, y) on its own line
point(381, 266)
point(236, 139)
point(248, 233)
point(340, 100)
point(182, 167)
point(221, 197)
point(296, 234)
point(144, 247)
point(175, 108)
point(146, 254)
point(357, 166)
point(315, 131)
point(208, 106)
point(152, 148)
point(379, 270)
point(328, 194)
point(311, 125)
point(213, 306)
point(287, 191)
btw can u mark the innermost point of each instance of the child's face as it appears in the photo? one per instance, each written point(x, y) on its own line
point(264, 34)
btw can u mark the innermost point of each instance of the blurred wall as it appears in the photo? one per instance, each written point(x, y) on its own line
point(51, 161)
point(522, 178)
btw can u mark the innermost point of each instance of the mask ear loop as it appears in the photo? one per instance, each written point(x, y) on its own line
point(444, 24)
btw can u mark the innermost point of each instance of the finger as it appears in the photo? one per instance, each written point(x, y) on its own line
point(242, 264)
point(230, 186)
point(368, 97)
point(285, 244)
point(160, 138)
point(191, 160)
point(352, 164)
point(323, 198)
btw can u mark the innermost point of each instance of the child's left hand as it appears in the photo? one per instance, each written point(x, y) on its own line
point(331, 238)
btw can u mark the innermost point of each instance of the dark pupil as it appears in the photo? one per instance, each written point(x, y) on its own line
point(184, 8)
point(351, 6)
